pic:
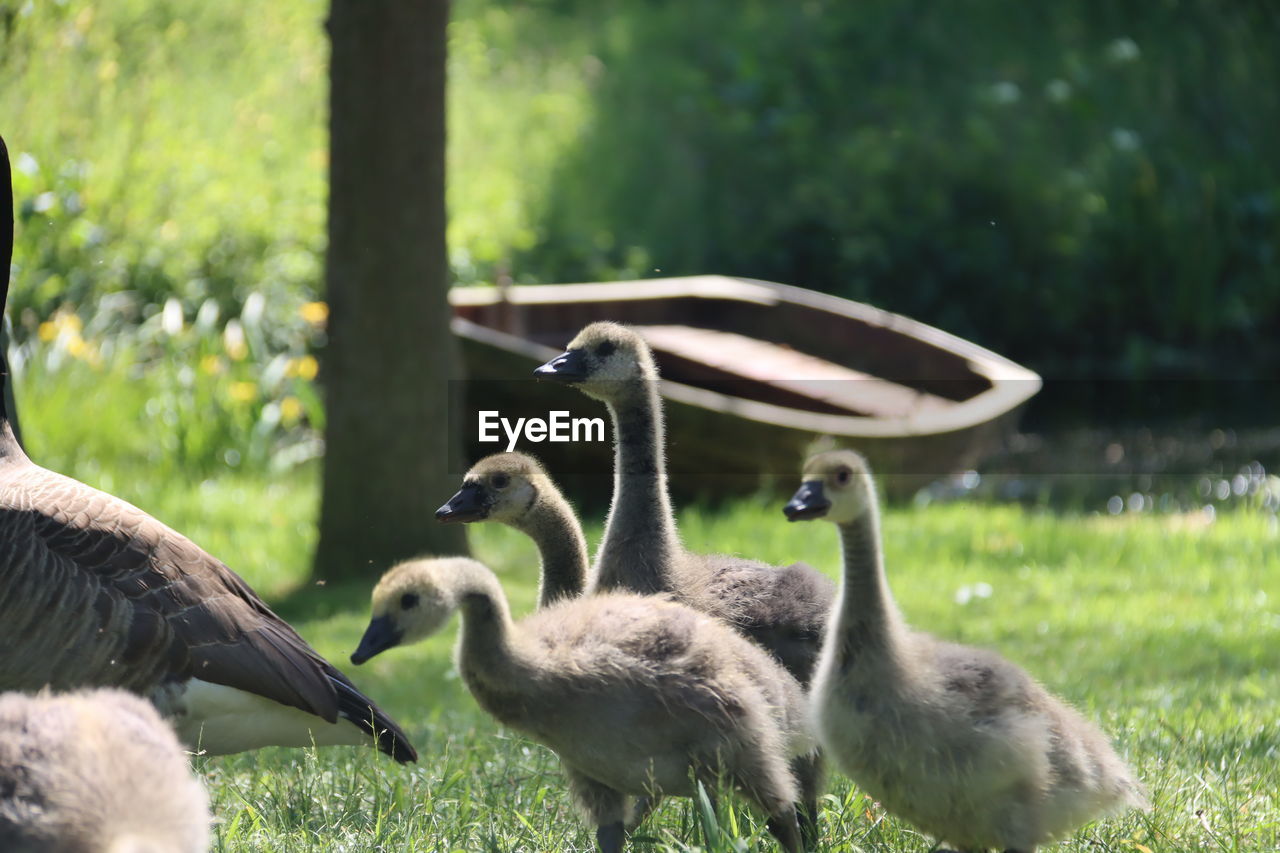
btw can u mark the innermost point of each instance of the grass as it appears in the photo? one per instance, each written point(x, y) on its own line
point(1164, 628)
point(197, 133)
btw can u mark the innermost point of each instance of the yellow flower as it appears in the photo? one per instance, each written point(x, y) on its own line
point(212, 365)
point(63, 322)
point(290, 411)
point(306, 367)
point(79, 348)
point(243, 392)
point(315, 313)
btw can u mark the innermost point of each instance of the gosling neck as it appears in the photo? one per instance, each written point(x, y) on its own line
point(868, 624)
point(640, 542)
point(553, 527)
point(485, 641)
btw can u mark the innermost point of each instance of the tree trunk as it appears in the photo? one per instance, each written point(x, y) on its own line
point(390, 354)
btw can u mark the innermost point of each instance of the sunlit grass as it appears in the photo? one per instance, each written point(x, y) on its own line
point(1164, 628)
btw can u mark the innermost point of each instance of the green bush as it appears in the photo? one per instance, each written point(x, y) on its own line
point(1087, 187)
point(170, 161)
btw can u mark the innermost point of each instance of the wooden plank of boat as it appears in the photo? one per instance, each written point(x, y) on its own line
point(755, 370)
point(848, 391)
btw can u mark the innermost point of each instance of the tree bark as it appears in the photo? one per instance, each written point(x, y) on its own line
point(390, 354)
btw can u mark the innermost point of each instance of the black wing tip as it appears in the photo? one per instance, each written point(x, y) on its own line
point(372, 720)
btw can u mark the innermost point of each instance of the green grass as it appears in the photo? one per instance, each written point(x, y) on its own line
point(1164, 628)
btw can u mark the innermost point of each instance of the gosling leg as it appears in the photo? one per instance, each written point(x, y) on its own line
point(604, 807)
point(765, 780)
point(609, 837)
point(786, 828)
point(810, 773)
point(641, 809)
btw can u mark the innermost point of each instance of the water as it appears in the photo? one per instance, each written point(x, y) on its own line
point(1169, 469)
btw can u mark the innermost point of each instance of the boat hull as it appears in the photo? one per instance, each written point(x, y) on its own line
point(754, 372)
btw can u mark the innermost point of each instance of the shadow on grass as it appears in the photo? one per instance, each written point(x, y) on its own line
point(316, 601)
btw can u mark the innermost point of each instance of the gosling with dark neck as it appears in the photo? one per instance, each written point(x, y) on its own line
point(514, 489)
point(782, 608)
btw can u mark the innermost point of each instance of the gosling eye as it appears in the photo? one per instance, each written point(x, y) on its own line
point(408, 601)
point(843, 476)
point(606, 349)
point(499, 481)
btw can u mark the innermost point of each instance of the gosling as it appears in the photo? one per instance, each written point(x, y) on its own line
point(637, 696)
point(516, 490)
point(95, 772)
point(956, 740)
point(782, 608)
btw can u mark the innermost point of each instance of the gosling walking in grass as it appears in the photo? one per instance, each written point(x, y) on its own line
point(95, 772)
point(783, 608)
point(638, 696)
point(958, 741)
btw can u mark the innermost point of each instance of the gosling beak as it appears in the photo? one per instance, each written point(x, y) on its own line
point(807, 503)
point(378, 637)
point(569, 367)
point(467, 505)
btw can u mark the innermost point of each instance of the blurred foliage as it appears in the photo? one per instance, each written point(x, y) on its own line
point(180, 397)
point(1087, 187)
point(169, 167)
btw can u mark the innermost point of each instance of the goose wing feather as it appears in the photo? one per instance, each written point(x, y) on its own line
point(165, 608)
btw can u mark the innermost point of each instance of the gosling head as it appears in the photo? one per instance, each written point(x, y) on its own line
point(603, 361)
point(836, 485)
point(412, 601)
point(502, 487)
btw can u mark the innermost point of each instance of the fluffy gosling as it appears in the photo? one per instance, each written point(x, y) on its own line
point(95, 772)
point(638, 696)
point(957, 740)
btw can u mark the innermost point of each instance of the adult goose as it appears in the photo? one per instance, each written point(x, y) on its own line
point(95, 592)
point(638, 696)
point(957, 740)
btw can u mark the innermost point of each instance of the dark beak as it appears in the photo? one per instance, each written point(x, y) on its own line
point(467, 505)
point(378, 637)
point(807, 503)
point(569, 366)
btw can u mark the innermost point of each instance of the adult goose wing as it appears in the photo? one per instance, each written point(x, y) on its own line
point(97, 592)
point(93, 591)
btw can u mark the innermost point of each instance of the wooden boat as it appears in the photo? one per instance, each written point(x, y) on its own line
point(753, 372)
